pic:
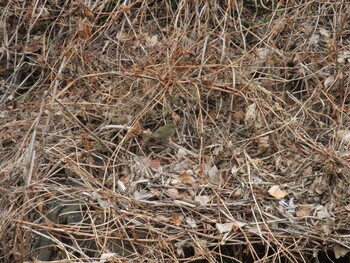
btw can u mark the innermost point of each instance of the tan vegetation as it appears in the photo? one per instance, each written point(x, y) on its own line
point(257, 170)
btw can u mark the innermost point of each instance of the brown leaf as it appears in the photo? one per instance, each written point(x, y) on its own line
point(340, 251)
point(277, 193)
point(175, 219)
point(155, 164)
point(224, 228)
point(215, 176)
point(176, 118)
point(135, 130)
point(172, 192)
point(151, 41)
point(347, 207)
point(85, 30)
point(202, 199)
point(304, 210)
point(237, 193)
point(186, 177)
point(87, 11)
point(161, 218)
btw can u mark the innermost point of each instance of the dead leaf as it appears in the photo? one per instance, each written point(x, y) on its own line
point(108, 257)
point(319, 185)
point(239, 224)
point(87, 11)
point(173, 192)
point(304, 210)
point(191, 222)
point(135, 130)
point(155, 165)
point(344, 137)
point(161, 218)
point(234, 170)
point(213, 171)
point(179, 248)
point(314, 39)
point(201, 249)
point(327, 227)
point(347, 207)
point(328, 81)
point(181, 166)
point(176, 182)
point(321, 212)
point(84, 31)
point(250, 115)
point(121, 186)
point(202, 199)
point(181, 154)
point(215, 176)
point(151, 41)
point(238, 116)
point(324, 32)
point(103, 204)
point(121, 36)
point(34, 44)
point(142, 195)
point(209, 160)
point(237, 193)
point(176, 118)
point(344, 57)
point(224, 228)
point(262, 54)
point(263, 142)
point(340, 251)
point(176, 219)
point(186, 177)
point(277, 193)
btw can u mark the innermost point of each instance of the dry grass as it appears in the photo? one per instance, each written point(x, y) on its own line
point(260, 94)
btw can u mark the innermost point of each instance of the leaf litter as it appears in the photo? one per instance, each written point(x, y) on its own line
point(259, 94)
